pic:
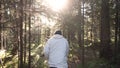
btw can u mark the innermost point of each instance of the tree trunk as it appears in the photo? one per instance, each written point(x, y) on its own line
point(117, 34)
point(29, 47)
point(105, 50)
point(29, 41)
point(21, 35)
point(0, 23)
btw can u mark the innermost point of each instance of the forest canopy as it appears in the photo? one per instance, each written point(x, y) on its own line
point(92, 28)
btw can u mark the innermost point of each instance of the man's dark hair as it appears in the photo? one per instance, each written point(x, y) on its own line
point(58, 32)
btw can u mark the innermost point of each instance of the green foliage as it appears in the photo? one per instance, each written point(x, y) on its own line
point(100, 63)
point(12, 63)
point(38, 61)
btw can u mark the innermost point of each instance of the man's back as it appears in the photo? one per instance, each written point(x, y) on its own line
point(57, 48)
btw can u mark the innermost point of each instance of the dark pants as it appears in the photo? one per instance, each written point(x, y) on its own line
point(53, 67)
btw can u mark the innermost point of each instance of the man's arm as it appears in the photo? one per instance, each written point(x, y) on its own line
point(46, 50)
point(67, 48)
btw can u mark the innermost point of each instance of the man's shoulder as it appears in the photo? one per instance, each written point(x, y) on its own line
point(64, 38)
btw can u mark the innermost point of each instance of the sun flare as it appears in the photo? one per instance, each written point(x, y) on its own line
point(57, 5)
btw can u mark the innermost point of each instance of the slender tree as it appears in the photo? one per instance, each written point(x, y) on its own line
point(21, 35)
point(29, 47)
point(0, 21)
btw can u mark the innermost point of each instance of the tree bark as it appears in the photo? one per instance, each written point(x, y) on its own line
point(0, 33)
point(105, 50)
point(21, 35)
point(117, 34)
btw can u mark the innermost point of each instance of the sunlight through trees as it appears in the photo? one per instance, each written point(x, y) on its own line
point(93, 32)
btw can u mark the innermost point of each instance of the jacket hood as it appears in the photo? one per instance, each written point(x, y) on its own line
point(57, 36)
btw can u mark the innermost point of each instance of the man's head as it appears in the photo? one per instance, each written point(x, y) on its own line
point(58, 32)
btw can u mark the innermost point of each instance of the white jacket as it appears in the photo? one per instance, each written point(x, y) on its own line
point(56, 50)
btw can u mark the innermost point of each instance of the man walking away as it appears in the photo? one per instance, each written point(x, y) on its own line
point(56, 51)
